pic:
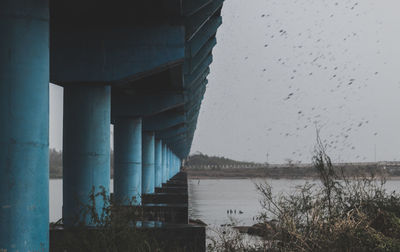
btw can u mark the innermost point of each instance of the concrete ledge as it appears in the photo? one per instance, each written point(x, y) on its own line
point(167, 213)
point(171, 189)
point(165, 237)
point(166, 198)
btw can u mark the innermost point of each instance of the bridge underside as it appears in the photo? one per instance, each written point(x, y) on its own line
point(139, 65)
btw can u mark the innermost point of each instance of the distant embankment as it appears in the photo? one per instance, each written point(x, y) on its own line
point(203, 166)
point(249, 172)
point(293, 171)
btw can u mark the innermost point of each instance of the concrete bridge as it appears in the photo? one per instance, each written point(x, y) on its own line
point(139, 65)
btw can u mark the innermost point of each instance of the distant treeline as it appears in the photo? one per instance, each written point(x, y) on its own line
point(196, 160)
point(203, 166)
point(288, 172)
point(55, 163)
point(201, 160)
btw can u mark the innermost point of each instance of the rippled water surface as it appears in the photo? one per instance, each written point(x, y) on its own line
point(210, 199)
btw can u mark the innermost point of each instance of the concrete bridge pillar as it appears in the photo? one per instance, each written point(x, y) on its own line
point(179, 163)
point(175, 165)
point(86, 149)
point(172, 164)
point(148, 157)
point(128, 160)
point(24, 117)
point(169, 164)
point(164, 163)
point(158, 163)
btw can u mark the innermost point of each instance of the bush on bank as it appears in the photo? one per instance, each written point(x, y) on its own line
point(337, 214)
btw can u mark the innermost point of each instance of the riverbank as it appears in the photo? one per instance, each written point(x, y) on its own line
point(305, 173)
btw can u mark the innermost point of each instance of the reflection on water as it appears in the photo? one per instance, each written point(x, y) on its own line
point(210, 199)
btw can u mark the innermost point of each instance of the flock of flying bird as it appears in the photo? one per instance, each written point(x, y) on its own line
point(289, 68)
point(313, 55)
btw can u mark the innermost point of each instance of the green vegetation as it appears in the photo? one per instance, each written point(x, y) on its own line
point(55, 158)
point(111, 229)
point(339, 214)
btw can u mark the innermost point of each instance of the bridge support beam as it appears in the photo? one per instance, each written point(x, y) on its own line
point(24, 117)
point(128, 160)
point(164, 163)
point(148, 156)
point(172, 169)
point(173, 165)
point(169, 162)
point(86, 149)
point(158, 163)
point(176, 165)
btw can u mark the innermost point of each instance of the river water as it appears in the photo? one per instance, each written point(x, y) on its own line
point(210, 199)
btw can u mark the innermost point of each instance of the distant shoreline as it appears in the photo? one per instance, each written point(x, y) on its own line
point(195, 177)
point(275, 178)
point(286, 173)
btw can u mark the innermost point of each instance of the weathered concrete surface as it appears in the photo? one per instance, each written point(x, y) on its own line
point(86, 148)
point(167, 237)
point(24, 125)
point(166, 198)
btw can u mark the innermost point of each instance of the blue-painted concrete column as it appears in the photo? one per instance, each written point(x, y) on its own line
point(178, 164)
point(172, 171)
point(158, 163)
point(86, 148)
point(172, 164)
point(169, 163)
point(164, 164)
point(24, 122)
point(128, 160)
point(148, 156)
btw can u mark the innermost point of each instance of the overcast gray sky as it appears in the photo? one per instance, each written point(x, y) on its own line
point(282, 67)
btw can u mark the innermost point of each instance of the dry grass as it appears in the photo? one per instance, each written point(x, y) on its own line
point(339, 214)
